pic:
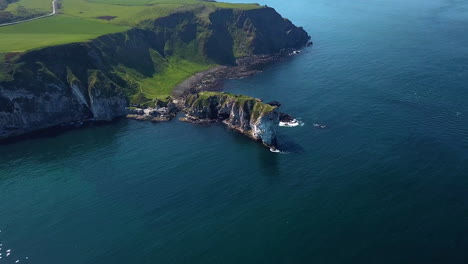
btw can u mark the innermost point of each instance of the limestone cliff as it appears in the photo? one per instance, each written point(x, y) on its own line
point(245, 114)
point(95, 80)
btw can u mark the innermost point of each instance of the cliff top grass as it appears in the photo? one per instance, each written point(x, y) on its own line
point(52, 31)
point(258, 109)
point(82, 20)
point(237, 97)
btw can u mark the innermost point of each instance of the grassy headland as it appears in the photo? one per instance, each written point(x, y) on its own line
point(85, 20)
point(206, 100)
point(137, 49)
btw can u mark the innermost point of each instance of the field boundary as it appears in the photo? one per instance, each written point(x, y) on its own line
point(54, 11)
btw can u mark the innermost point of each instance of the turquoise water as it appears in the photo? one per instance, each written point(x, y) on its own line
point(385, 182)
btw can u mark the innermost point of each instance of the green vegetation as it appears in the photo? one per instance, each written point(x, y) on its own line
point(85, 20)
point(141, 69)
point(161, 84)
point(168, 73)
point(38, 6)
point(15, 10)
point(239, 98)
point(52, 31)
point(128, 14)
point(261, 108)
point(204, 99)
point(81, 20)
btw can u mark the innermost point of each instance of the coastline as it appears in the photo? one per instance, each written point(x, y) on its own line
point(209, 80)
point(213, 79)
point(78, 82)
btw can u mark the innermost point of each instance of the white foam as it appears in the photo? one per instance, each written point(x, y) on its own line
point(319, 125)
point(293, 123)
point(275, 150)
point(278, 151)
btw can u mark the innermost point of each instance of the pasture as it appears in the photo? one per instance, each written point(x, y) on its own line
point(51, 31)
point(79, 20)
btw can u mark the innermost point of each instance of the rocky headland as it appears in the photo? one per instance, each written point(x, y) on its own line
point(246, 114)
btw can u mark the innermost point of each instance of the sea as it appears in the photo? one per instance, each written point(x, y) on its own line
point(376, 173)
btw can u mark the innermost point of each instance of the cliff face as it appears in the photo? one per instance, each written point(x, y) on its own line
point(245, 114)
point(94, 80)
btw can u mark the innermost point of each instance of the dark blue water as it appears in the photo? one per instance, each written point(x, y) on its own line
point(385, 182)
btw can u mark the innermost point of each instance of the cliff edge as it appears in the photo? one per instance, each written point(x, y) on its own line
point(248, 115)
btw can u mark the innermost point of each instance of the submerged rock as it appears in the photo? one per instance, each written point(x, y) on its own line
point(286, 118)
point(275, 103)
point(288, 121)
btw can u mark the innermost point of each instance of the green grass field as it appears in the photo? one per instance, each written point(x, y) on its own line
point(52, 31)
point(77, 20)
point(39, 5)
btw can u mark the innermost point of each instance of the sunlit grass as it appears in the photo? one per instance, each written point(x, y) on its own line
point(177, 71)
point(52, 31)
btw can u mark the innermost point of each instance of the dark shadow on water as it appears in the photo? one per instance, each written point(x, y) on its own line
point(288, 145)
point(270, 164)
point(61, 144)
point(53, 132)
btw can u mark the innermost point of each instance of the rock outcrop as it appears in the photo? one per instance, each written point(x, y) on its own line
point(245, 114)
point(164, 110)
point(95, 80)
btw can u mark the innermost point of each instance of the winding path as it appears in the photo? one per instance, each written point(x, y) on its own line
point(54, 11)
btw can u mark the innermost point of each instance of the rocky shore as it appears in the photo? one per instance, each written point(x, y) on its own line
point(213, 79)
point(163, 110)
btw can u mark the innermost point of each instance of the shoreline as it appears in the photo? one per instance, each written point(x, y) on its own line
point(209, 80)
point(213, 79)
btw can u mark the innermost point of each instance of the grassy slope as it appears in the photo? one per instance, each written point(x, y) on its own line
point(161, 84)
point(43, 6)
point(77, 22)
point(52, 31)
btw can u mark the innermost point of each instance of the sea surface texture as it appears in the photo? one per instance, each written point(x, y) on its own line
point(378, 173)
